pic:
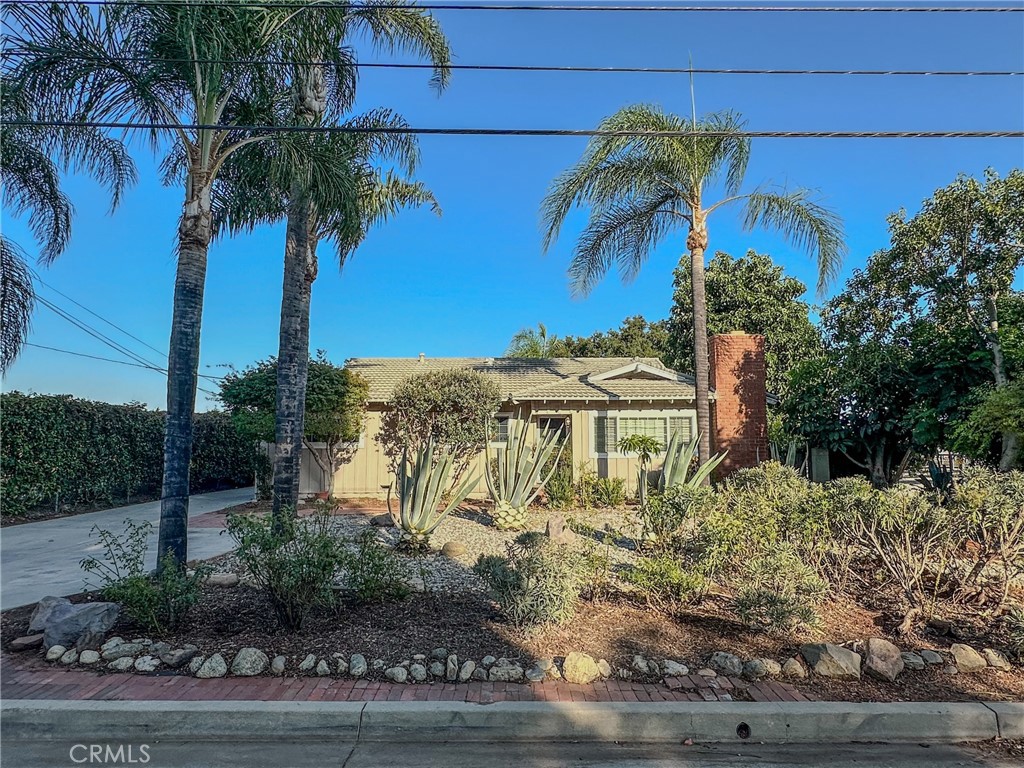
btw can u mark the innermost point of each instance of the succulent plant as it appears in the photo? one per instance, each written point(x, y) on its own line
point(516, 477)
point(422, 484)
point(678, 460)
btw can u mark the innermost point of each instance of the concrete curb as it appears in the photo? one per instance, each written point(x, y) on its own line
point(637, 723)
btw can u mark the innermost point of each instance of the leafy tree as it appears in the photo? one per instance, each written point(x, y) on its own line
point(645, 447)
point(33, 159)
point(536, 344)
point(213, 65)
point(454, 407)
point(641, 188)
point(335, 406)
point(750, 294)
point(636, 337)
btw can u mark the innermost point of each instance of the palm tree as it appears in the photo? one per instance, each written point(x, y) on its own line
point(187, 72)
point(536, 343)
point(643, 188)
point(33, 158)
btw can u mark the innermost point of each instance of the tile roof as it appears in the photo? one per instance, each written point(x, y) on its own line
point(558, 378)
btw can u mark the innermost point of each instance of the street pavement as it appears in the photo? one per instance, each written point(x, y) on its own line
point(316, 754)
point(39, 559)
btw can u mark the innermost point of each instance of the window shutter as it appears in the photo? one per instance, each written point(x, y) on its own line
point(682, 426)
point(605, 434)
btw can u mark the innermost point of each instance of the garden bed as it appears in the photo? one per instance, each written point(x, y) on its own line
point(450, 608)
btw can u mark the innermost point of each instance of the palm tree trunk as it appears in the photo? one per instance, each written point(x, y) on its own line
point(697, 243)
point(194, 234)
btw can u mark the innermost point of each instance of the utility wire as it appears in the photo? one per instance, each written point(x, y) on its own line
point(532, 132)
point(550, 68)
point(579, 8)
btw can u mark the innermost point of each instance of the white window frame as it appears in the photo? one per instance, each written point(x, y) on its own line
point(650, 413)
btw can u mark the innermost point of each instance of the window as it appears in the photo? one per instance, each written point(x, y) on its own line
point(501, 422)
point(612, 426)
point(548, 424)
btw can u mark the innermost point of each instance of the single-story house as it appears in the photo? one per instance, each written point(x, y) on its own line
point(597, 401)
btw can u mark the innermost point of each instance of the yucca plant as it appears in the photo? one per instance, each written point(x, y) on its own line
point(678, 460)
point(422, 484)
point(517, 475)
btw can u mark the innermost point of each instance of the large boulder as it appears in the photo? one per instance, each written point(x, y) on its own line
point(580, 668)
point(44, 609)
point(83, 625)
point(883, 660)
point(967, 659)
point(833, 661)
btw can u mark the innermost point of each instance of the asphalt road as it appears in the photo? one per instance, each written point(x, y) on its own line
point(39, 559)
point(313, 754)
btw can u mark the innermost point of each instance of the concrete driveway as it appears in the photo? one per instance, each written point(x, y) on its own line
point(38, 559)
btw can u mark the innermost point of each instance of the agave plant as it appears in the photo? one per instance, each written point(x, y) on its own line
point(516, 478)
point(678, 460)
point(422, 485)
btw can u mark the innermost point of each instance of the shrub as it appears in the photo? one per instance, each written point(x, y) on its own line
point(779, 592)
point(375, 573)
point(296, 564)
point(610, 492)
point(664, 581)
point(664, 515)
point(586, 485)
point(1014, 622)
point(561, 490)
point(157, 601)
point(537, 582)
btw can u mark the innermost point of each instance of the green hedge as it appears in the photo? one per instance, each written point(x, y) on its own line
point(57, 450)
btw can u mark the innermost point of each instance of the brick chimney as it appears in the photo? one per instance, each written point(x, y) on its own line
point(739, 414)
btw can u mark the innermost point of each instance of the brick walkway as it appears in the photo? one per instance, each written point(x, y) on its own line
point(33, 679)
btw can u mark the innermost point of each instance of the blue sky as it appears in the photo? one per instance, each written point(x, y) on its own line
point(462, 284)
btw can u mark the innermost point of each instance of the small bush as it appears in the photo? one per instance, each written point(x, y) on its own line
point(779, 592)
point(537, 582)
point(663, 516)
point(1015, 629)
point(375, 573)
point(560, 489)
point(296, 565)
point(586, 486)
point(663, 581)
point(610, 492)
point(157, 601)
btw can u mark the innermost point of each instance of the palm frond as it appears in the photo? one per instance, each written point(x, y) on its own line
point(17, 300)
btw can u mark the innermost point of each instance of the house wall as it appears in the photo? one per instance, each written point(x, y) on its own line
point(368, 475)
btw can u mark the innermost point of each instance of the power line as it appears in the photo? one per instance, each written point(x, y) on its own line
point(555, 68)
point(557, 8)
point(528, 132)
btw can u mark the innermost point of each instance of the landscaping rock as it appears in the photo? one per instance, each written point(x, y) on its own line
point(379, 664)
point(123, 649)
point(452, 668)
point(382, 521)
point(882, 659)
point(480, 674)
point(418, 672)
point(966, 658)
point(580, 668)
point(439, 653)
point(505, 671)
point(754, 669)
point(43, 610)
point(437, 669)
point(142, 641)
point(931, 657)
point(996, 660)
point(249, 662)
point(54, 652)
point(340, 664)
point(832, 661)
point(644, 667)
point(196, 664)
point(487, 661)
point(453, 549)
point(396, 674)
point(357, 665)
point(536, 675)
point(466, 671)
point(951, 670)
point(146, 664)
point(420, 657)
point(707, 672)
point(323, 669)
point(177, 658)
point(672, 668)
point(89, 658)
point(793, 668)
point(605, 668)
point(82, 626)
point(222, 580)
point(70, 656)
point(558, 531)
point(624, 674)
point(912, 660)
point(26, 643)
point(112, 642)
point(159, 649)
point(122, 664)
point(416, 584)
point(278, 665)
point(214, 666)
point(308, 663)
point(727, 663)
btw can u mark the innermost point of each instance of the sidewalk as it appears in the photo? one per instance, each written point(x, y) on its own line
point(39, 559)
